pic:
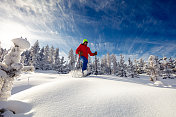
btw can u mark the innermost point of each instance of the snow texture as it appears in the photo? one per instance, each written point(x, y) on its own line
point(76, 73)
point(55, 95)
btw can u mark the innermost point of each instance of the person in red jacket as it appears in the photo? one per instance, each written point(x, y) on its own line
point(83, 52)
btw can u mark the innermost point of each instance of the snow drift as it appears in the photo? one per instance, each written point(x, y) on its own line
point(53, 95)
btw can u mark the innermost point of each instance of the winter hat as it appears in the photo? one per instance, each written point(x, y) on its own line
point(85, 40)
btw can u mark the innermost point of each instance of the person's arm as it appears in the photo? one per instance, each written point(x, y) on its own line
point(90, 53)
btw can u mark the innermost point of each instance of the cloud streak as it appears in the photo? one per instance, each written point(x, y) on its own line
point(45, 21)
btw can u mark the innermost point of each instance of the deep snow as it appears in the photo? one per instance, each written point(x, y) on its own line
point(53, 95)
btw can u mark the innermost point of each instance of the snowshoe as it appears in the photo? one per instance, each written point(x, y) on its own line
point(86, 73)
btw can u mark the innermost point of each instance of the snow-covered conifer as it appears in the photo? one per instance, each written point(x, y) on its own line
point(26, 58)
point(89, 65)
point(51, 56)
point(96, 66)
point(47, 65)
point(35, 55)
point(114, 64)
point(174, 69)
point(104, 65)
point(63, 68)
point(56, 59)
point(42, 59)
point(122, 67)
point(141, 64)
point(168, 68)
point(136, 65)
point(56, 55)
point(171, 63)
point(131, 70)
point(108, 63)
point(153, 67)
point(3, 52)
point(11, 66)
point(71, 59)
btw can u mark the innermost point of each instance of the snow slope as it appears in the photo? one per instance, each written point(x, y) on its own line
point(54, 95)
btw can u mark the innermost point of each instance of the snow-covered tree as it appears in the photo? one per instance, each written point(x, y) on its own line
point(11, 67)
point(114, 64)
point(3, 52)
point(96, 66)
point(89, 65)
point(51, 56)
point(141, 64)
point(168, 68)
point(63, 68)
point(122, 67)
point(172, 64)
point(56, 59)
point(56, 54)
point(42, 59)
point(108, 63)
point(35, 55)
point(71, 59)
point(174, 69)
point(153, 66)
point(104, 65)
point(26, 58)
point(47, 65)
point(131, 70)
point(136, 63)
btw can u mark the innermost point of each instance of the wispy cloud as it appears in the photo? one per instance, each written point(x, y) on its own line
point(114, 26)
point(45, 21)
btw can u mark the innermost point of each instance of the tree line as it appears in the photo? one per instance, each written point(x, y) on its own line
point(48, 58)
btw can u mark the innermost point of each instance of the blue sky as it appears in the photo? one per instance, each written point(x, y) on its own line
point(135, 28)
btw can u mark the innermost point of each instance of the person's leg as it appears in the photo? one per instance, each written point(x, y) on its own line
point(85, 61)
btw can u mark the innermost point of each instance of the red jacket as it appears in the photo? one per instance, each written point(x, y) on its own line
point(85, 50)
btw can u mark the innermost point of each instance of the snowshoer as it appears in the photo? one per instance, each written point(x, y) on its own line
point(83, 52)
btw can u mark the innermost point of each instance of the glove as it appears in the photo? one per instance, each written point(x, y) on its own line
point(80, 53)
point(95, 53)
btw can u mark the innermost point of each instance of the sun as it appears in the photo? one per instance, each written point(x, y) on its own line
point(10, 30)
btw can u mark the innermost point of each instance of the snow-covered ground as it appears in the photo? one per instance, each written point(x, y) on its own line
point(43, 94)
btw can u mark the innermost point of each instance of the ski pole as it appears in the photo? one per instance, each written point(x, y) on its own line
point(96, 71)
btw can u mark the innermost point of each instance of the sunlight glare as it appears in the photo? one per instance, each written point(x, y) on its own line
point(9, 31)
